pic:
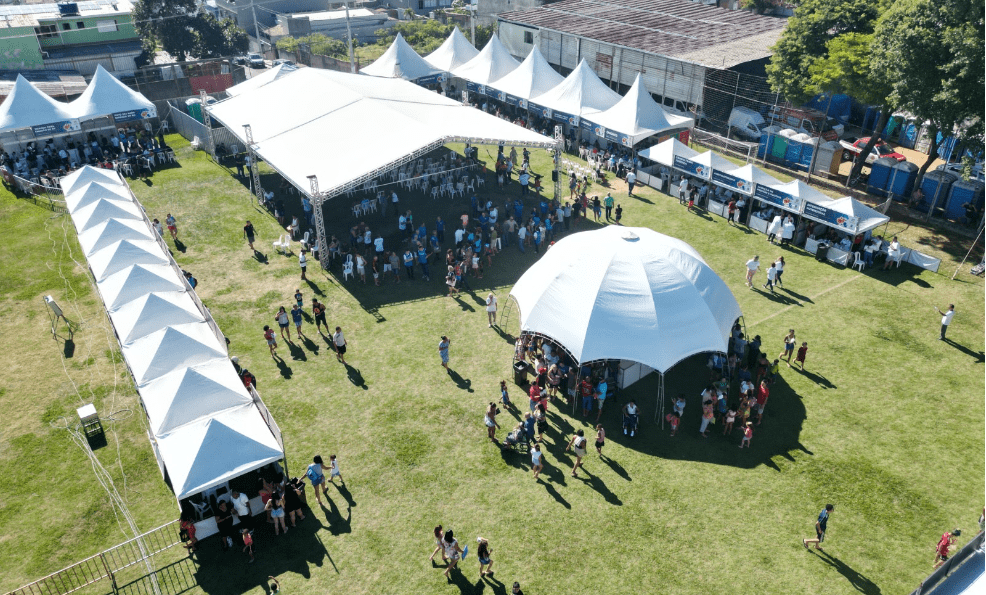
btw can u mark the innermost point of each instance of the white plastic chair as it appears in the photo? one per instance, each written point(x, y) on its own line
point(434, 193)
point(304, 240)
point(857, 261)
point(347, 268)
point(481, 181)
point(470, 186)
point(282, 244)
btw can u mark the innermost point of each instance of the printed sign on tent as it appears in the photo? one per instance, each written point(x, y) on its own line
point(134, 114)
point(56, 127)
point(476, 88)
point(566, 118)
point(828, 216)
point(732, 182)
point(540, 110)
point(776, 197)
point(691, 167)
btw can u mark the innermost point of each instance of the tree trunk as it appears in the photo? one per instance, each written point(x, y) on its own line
point(876, 136)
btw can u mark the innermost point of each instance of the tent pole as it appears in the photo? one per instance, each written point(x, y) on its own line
point(660, 398)
point(323, 251)
point(969, 252)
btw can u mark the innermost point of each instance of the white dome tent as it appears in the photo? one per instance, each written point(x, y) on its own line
point(627, 293)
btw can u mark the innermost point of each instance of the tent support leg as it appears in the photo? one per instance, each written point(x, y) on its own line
point(323, 252)
point(660, 399)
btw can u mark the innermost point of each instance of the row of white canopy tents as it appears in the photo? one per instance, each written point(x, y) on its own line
point(581, 99)
point(106, 95)
point(206, 427)
point(845, 214)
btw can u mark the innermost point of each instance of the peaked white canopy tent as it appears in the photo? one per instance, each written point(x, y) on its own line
point(261, 79)
point(174, 347)
point(634, 117)
point(627, 293)
point(190, 394)
point(453, 53)
point(110, 231)
point(29, 107)
point(85, 175)
point(860, 218)
point(665, 152)
point(581, 93)
point(122, 254)
point(743, 179)
point(489, 66)
point(400, 61)
point(94, 192)
point(98, 211)
point(135, 281)
point(152, 312)
point(532, 78)
point(106, 95)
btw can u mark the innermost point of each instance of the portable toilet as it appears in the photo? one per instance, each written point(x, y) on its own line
point(936, 185)
point(880, 175)
point(795, 146)
point(779, 150)
point(902, 178)
point(963, 192)
point(194, 106)
point(808, 145)
point(767, 141)
point(829, 157)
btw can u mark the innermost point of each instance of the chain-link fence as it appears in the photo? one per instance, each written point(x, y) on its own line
point(725, 90)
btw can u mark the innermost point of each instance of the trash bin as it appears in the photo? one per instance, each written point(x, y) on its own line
point(520, 373)
point(822, 252)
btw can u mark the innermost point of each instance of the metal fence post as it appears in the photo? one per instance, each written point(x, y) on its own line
point(109, 572)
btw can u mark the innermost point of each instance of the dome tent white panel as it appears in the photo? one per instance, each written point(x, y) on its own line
point(112, 231)
point(453, 53)
point(581, 93)
point(87, 174)
point(865, 217)
point(93, 191)
point(190, 452)
point(627, 293)
point(665, 152)
point(402, 62)
point(262, 79)
point(152, 312)
point(135, 281)
point(97, 212)
point(490, 65)
point(532, 78)
point(190, 394)
point(123, 254)
point(106, 95)
point(171, 348)
point(637, 116)
point(29, 107)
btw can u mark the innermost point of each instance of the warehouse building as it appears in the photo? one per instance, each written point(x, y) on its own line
point(696, 59)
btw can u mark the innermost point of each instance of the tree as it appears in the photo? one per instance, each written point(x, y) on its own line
point(166, 25)
point(316, 43)
point(215, 39)
point(933, 50)
point(424, 35)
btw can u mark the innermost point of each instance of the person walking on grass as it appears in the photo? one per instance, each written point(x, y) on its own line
point(820, 526)
point(303, 263)
point(747, 434)
point(771, 277)
point(249, 234)
point(299, 298)
point(316, 475)
point(271, 340)
point(248, 542)
point(334, 470)
point(340, 342)
point(439, 546)
point(789, 342)
point(296, 317)
point(802, 354)
point(600, 439)
point(577, 444)
point(452, 551)
point(490, 420)
point(284, 322)
point(491, 309)
point(944, 545)
point(537, 460)
point(779, 265)
point(483, 552)
point(608, 203)
point(318, 313)
point(752, 266)
point(443, 346)
point(172, 226)
point(946, 319)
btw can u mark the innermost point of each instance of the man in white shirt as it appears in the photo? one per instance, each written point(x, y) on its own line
point(631, 180)
point(946, 319)
point(752, 266)
point(491, 309)
point(241, 508)
point(459, 234)
point(771, 277)
point(521, 236)
point(683, 191)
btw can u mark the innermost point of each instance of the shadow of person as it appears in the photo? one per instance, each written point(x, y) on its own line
point(498, 587)
point(455, 577)
point(338, 524)
point(596, 483)
point(356, 377)
point(616, 467)
point(310, 345)
point(463, 383)
point(775, 297)
point(315, 288)
point(283, 367)
point(979, 356)
point(801, 298)
point(180, 246)
point(345, 493)
point(817, 379)
point(857, 580)
point(260, 257)
point(297, 353)
point(504, 335)
point(462, 304)
point(554, 493)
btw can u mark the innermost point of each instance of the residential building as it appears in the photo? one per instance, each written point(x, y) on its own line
point(363, 23)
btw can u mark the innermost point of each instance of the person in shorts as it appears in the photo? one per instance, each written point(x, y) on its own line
point(577, 445)
point(443, 346)
point(297, 319)
point(537, 461)
point(334, 470)
point(271, 340)
point(483, 552)
point(820, 525)
point(318, 313)
point(172, 226)
point(340, 342)
point(284, 322)
point(316, 475)
point(600, 438)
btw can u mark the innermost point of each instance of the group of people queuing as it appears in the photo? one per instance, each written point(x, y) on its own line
point(296, 317)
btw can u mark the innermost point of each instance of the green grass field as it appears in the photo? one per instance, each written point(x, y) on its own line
point(886, 423)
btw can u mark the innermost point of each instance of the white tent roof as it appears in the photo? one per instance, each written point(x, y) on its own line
point(27, 106)
point(580, 93)
point(111, 231)
point(638, 116)
point(321, 107)
point(94, 191)
point(533, 77)
point(868, 218)
point(173, 347)
point(152, 312)
point(402, 62)
point(106, 95)
point(100, 210)
point(86, 174)
point(135, 281)
point(261, 79)
point(189, 394)
point(490, 65)
point(754, 174)
point(803, 191)
point(453, 53)
point(124, 253)
point(627, 293)
point(714, 161)
point(212, 451)
point(664, 152)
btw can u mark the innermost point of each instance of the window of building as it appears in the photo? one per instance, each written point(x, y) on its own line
point(431, 3)
point(107, 26)
point(46, 31)
point(80, 25)
point(528, 37)
point(67, 26)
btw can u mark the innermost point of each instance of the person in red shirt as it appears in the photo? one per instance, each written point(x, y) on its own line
point(535, 395)
point(586, 391)
point(944, 545)
point(762, 393)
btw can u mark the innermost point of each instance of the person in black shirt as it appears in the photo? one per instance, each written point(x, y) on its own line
point(224, 522)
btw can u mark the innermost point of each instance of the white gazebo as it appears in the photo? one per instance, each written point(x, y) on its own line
point(453, 53)
point(627, 293)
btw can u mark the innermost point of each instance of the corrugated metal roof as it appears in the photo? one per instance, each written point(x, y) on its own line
point(54, 83)
point(706, 35)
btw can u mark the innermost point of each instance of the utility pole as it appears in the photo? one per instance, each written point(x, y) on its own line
point(472, 23)
point(256, 25)
point(349, 36)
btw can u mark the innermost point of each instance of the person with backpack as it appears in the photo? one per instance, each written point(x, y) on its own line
point(944, 545)
point(577, 444)
point(316, 475)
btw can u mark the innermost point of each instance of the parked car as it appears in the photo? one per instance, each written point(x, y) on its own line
point(746, 123)
point(241, 60)
point(282, 61)
point(807, 121)
point(853, 147)
point(256, 61)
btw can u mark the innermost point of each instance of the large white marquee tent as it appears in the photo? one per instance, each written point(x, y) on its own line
point(28, 107)
point(635, 117)
point(400, 61)
point(532, 78)
point(453, 53)
point(489, 66)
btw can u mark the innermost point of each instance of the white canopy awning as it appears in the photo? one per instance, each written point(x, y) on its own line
point(400, 61)
point(95, 191)
point(860, 218)
point(532, 78)
point(173, 347)
point(742, 179)
point(636, 117)
point(106, 95)
point(453, 53)
point(152, 312)
point(627, 293)
point(28, 107)
point(86, 174)
point(111, 231)
point(490, 65)
point(98, 211)
point(581, 93)
point(190, 394)
point(214, 450)
point(665, 152)
point(136, 281)
point(124, 253)
point(259, 80)
point(339, 126)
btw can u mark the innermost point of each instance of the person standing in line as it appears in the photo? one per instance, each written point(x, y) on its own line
point(779, 265)
point(303, 263)
point(276, 507)
point(537, 460)
point(409, 264)
point(802, 353)
point(600, 439)
point(763, 392)
point(577, 443)
point(789, 342)
point(608, 203)
point(820, 526)
point(443, 346)
point(316, 475)
point(730, 211)
point(944, 545)
point(483, 552)
point(771, 277)
point(249, 234)
point(946, 319)
point(318, 313)
point(296, 317)
point(439, 546)
point(172, 226)
point(752, 266)
point(631, 181)
point(340, 342)
point(491, 309)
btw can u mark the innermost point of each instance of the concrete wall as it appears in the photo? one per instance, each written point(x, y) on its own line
point(242, 13)
point(19, 49)
point(89, 33)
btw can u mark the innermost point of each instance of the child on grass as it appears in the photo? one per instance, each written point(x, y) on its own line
point(730, 419)
point(247, 542)
point(504, 397)
point(271, 340)
point(802, 353)
point(747, 435)
point(673, 418)
point(334, 469)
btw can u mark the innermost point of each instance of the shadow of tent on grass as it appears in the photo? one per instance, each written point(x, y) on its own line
point(779, 434)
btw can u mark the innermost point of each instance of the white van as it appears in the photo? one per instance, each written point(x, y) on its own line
point(746, 123)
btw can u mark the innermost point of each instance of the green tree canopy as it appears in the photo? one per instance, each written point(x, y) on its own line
point(179, 28)
point(316, 43)
point(214, 38)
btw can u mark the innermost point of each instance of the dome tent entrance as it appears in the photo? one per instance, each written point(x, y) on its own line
point(624, 293)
